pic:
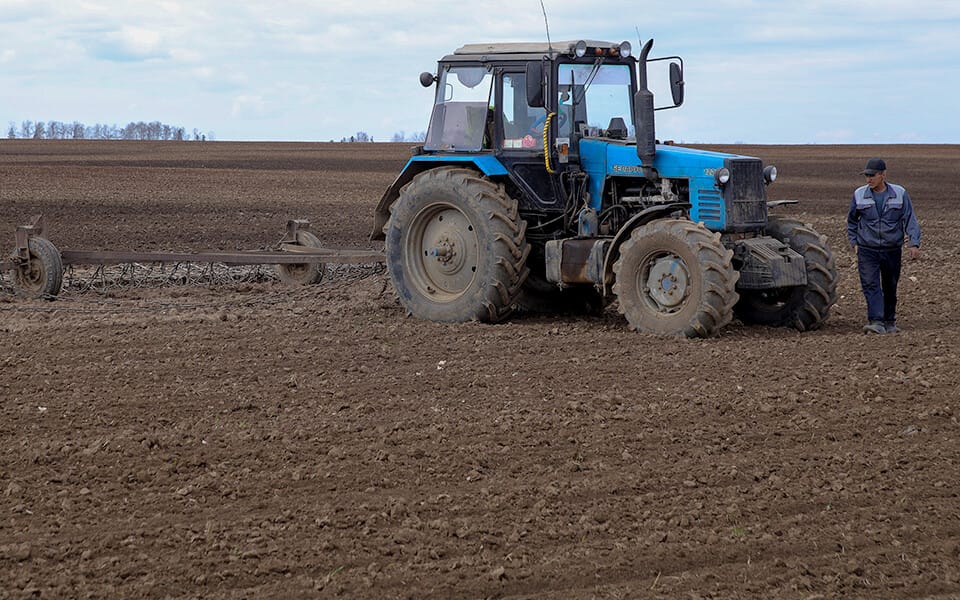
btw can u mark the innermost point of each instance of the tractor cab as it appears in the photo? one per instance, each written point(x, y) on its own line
point(529, 105)
point(492, 97)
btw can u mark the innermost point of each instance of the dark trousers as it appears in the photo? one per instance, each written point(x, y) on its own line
point(879, 274)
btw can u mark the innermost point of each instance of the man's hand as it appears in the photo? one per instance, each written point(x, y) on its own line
point(913, 252)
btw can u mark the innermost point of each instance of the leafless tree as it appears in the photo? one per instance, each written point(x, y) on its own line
point(139, 130)
point(401, 136)
point(55, 130)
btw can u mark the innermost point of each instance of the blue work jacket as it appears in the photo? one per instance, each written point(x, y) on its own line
point(869, 228)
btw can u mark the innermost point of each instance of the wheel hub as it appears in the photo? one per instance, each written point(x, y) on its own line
point(448, 252)
point(449, 258)
point(32, 274)
point(667, 282)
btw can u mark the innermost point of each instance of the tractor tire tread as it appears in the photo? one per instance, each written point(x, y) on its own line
point(495, 300)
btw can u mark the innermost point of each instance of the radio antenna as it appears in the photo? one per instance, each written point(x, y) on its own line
point(544, 9)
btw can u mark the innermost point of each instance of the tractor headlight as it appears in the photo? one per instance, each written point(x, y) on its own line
point(626, 49)
point(722, 175)
point(770, 174)
point(580, 49)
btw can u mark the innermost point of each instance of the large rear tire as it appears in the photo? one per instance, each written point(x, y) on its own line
point(804, 308)
point(456, 248)
point(42, 276)
point(674, 277)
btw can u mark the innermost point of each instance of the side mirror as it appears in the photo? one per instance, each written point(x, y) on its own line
point(676, 83)
point(535, 96)
point(427, 79)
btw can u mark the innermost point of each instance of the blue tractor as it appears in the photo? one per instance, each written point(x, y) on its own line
point(541, 184)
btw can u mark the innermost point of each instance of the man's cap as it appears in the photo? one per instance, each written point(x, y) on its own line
point(874, 166)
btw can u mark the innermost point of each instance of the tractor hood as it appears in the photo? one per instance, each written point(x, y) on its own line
point(603, 159)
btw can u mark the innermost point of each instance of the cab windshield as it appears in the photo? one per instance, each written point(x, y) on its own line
point(460, 111)
point(592, 95)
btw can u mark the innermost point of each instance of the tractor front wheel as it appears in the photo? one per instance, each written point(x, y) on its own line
point(802, 307)
point(674, 277)
point(456, 248)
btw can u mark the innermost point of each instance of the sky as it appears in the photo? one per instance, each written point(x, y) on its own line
point(756, 71)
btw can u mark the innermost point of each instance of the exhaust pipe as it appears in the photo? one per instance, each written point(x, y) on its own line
point(643, 116)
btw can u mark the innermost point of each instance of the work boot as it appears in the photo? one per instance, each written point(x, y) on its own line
point(891, 327)
point(875, 327)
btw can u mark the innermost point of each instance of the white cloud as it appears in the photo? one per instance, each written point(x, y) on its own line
point(138, 40)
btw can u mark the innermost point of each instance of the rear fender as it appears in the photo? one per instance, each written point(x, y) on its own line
point(641, 218)
point(487, 164)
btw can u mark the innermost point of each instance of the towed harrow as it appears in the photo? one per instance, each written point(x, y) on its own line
point(38, 265)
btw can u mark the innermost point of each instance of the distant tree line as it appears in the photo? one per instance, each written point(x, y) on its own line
point(400, 136)
point(56, 130)
point(155, 130)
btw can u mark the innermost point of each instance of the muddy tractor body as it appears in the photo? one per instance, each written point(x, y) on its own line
point(541, 186)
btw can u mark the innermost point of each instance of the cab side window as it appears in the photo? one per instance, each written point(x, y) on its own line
point(522, 124)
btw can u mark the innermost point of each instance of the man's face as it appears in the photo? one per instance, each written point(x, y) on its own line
point(876, 180)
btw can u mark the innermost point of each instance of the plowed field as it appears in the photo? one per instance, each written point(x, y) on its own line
point(176, 437)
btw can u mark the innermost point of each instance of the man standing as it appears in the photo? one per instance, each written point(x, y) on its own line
point(880, 214)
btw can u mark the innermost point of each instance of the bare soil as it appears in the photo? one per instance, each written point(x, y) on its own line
point(250, 439)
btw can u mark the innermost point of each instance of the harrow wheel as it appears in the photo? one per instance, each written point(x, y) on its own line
point(42, 275)
point(456, 248)
point(674, 277)
point(303, 273)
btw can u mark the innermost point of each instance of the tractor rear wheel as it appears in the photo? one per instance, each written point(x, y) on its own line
point(802, 307)
point(456, 248)
point(42, 276)
point(303, 273)
point(674, 277)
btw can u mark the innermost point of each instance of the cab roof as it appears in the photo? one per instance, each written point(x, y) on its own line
point(528, 47)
